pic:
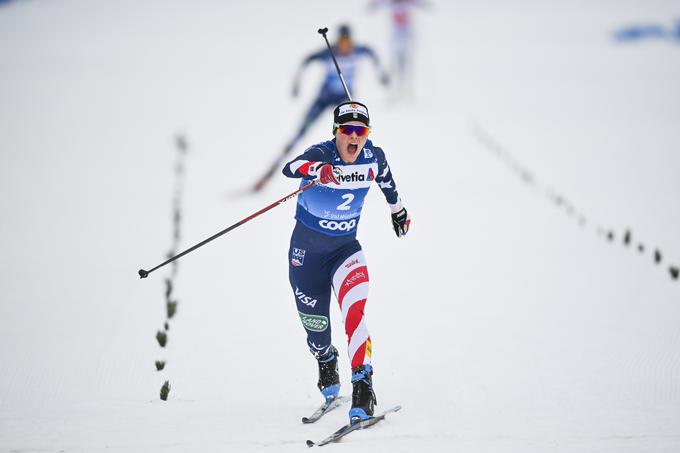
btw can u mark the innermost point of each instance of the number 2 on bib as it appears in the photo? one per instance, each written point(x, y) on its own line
point(345, 206)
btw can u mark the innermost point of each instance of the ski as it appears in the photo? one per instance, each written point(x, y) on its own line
point(324, 409)
point(342, 432)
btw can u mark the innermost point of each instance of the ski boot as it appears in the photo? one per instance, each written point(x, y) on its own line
point(363, 397)
point(329, 380)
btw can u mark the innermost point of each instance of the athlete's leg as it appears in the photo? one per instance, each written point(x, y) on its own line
point(309, 274)
point(318, 106)
point(350, 283)
point(401, 43)
point(311, 288)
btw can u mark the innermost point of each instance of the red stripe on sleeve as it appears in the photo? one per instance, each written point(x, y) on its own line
point(304, 168)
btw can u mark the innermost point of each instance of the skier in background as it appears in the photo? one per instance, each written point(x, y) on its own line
point(324, 252)
point(332, 92)
point(401, 43)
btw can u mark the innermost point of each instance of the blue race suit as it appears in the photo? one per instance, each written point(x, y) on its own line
point(324, 252)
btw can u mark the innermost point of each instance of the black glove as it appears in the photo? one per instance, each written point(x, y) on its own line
point(401, 222)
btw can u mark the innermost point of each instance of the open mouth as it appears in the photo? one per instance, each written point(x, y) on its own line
point(352, 148)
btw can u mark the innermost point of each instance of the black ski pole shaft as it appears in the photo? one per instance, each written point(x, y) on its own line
point(143, 273)
point(322, 32)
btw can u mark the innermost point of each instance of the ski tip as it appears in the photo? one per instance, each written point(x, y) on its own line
point(306, 420)
point(310, 443)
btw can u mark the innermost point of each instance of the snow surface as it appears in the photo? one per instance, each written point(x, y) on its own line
point(500, 324)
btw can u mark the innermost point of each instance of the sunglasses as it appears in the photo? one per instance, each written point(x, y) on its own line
point(347, 129)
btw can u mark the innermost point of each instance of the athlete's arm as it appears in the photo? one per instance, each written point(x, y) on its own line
point(310, 58)
point(375, 4)
point(424, 4)
point(313, 165)
point(370, 53)
point(401, 221)
point(384, 179)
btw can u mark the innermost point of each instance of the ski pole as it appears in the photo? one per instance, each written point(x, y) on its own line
point(322, 32)
point(143, 273)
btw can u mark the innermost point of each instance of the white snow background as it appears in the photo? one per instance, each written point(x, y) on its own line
point(500, 323)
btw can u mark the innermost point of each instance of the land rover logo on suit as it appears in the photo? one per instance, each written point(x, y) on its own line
point(313, 322)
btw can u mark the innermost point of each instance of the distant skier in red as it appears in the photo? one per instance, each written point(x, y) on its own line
point(401, 42)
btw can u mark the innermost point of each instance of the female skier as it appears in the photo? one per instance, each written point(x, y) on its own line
point(324, 252)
